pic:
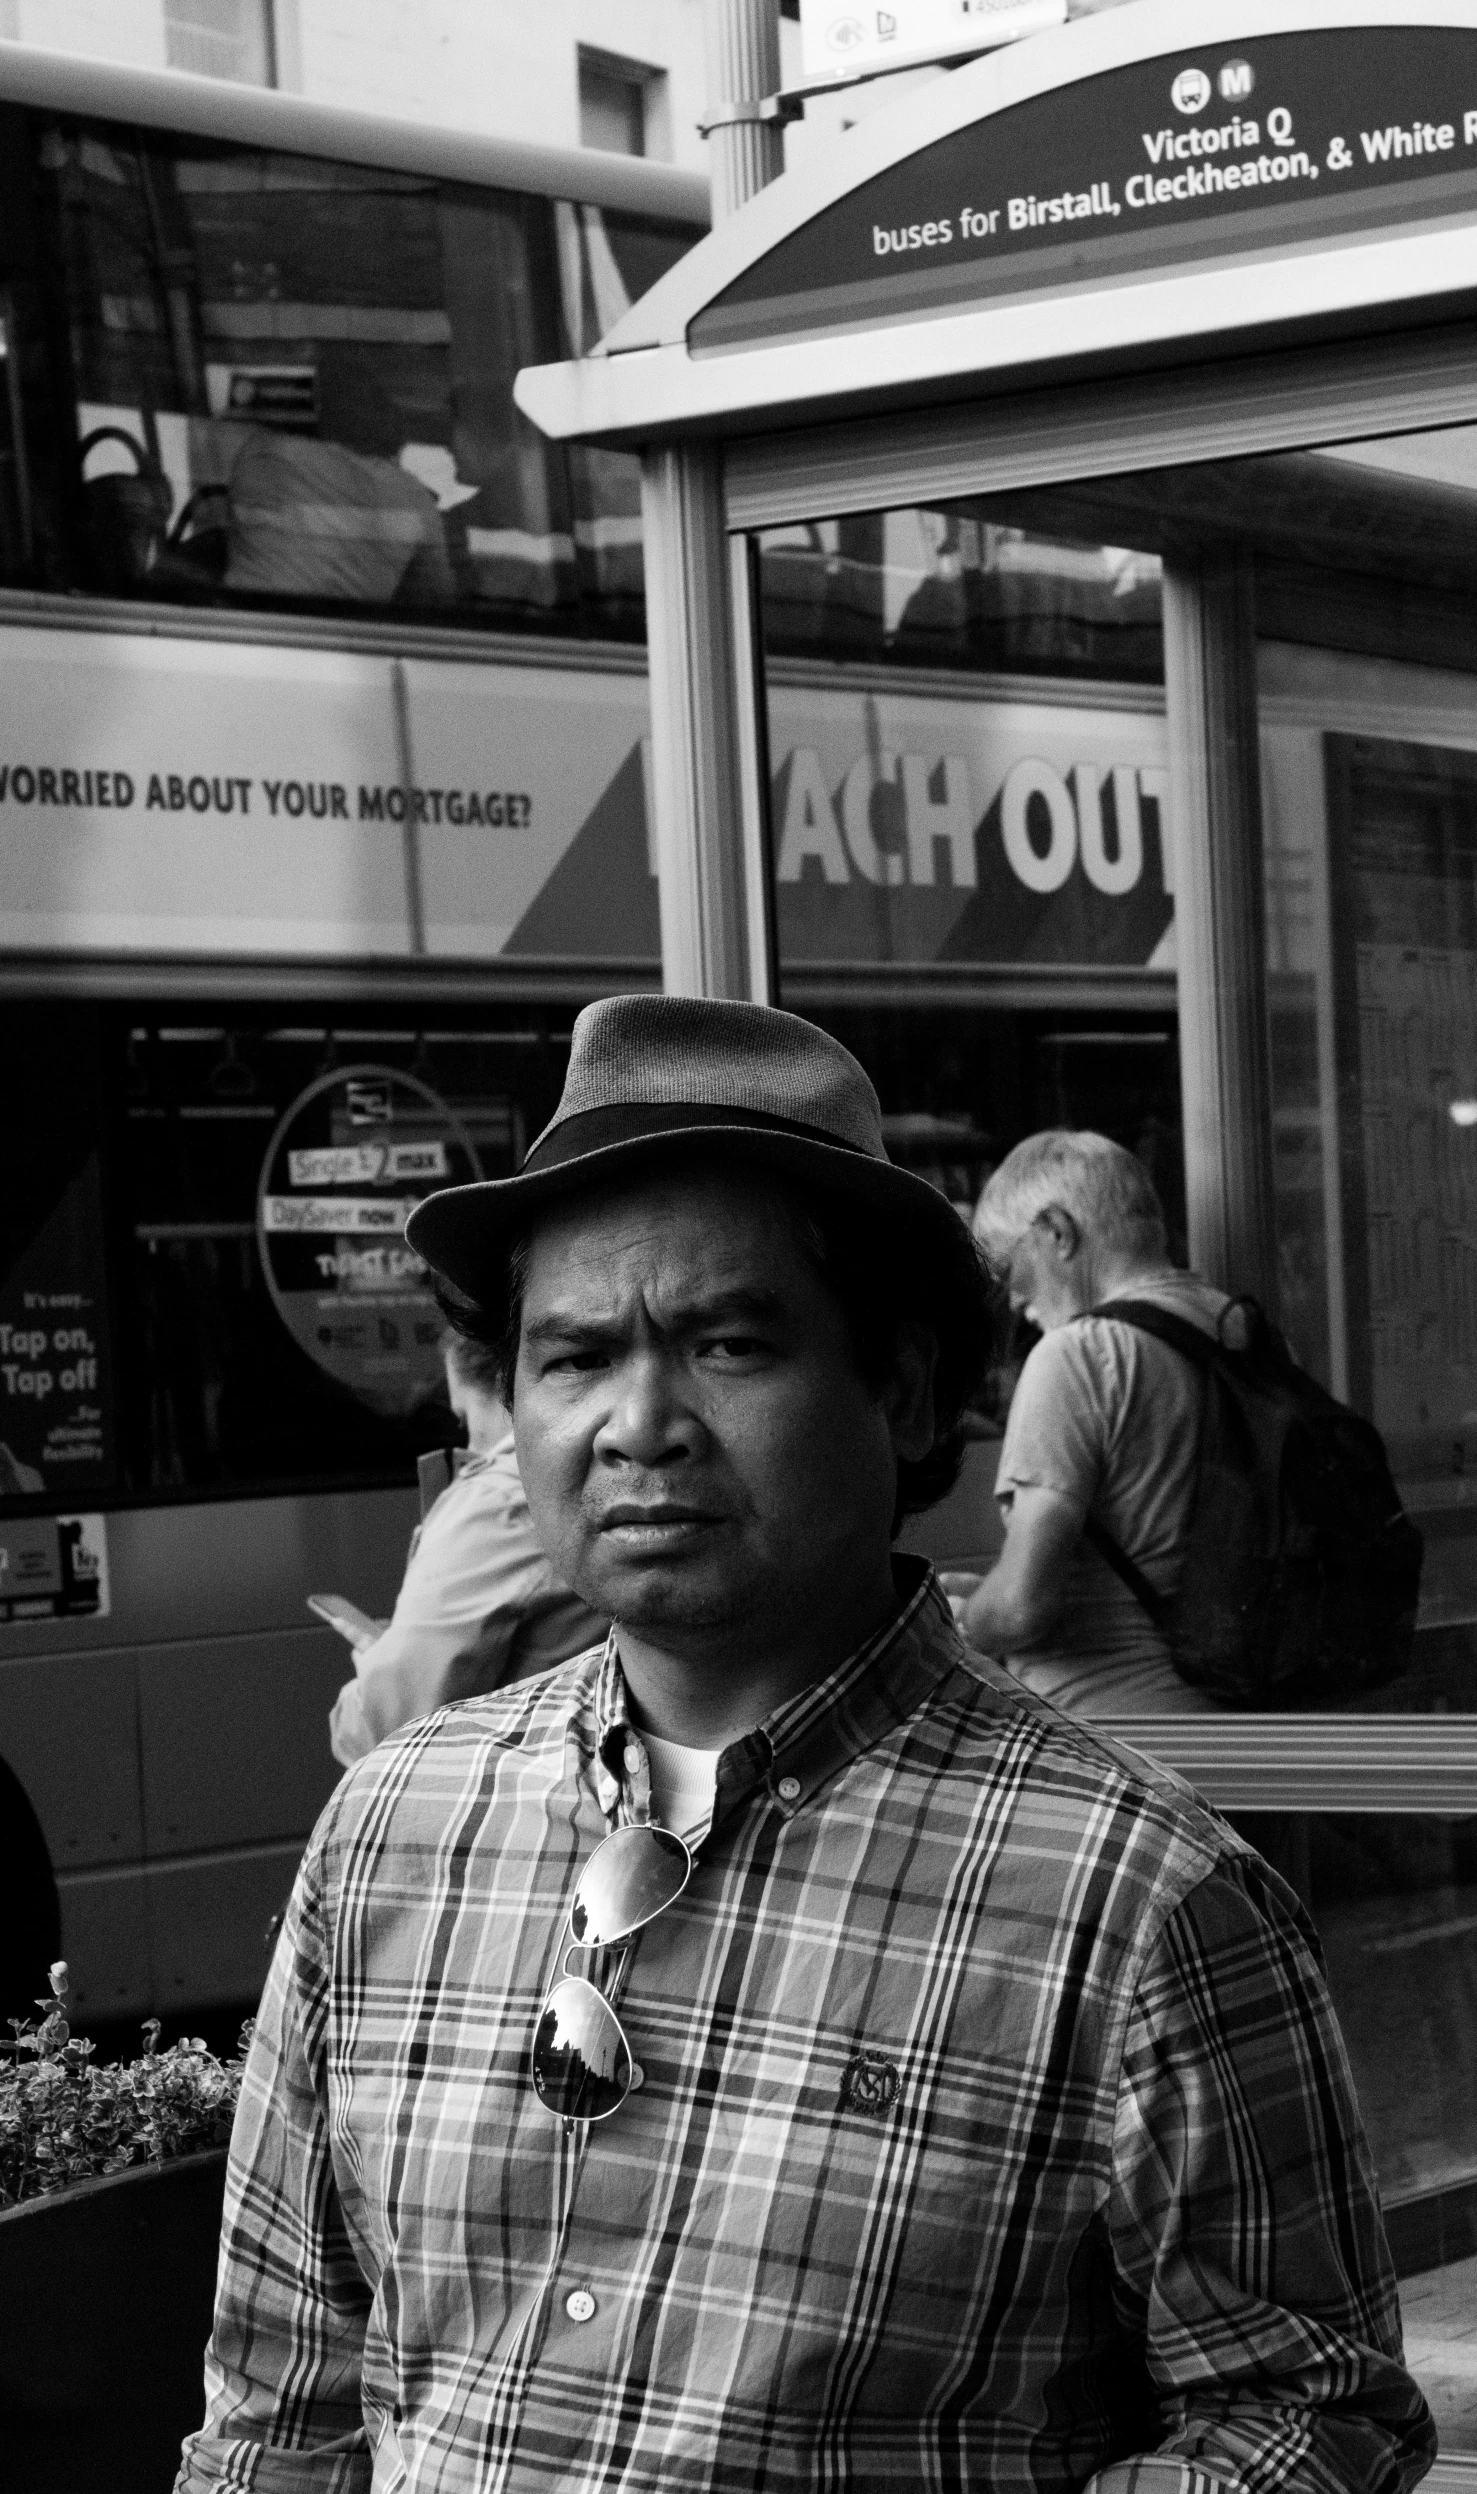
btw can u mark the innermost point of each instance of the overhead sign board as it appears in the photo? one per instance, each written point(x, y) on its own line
point(1201, 154)
point(841, 39)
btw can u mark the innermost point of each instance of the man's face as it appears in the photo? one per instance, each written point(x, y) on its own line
point(1043, 1274)
point(698, 1449)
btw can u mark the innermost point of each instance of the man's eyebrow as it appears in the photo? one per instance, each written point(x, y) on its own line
point(561, 1325)
point(701, 1315)
point(691, 1316)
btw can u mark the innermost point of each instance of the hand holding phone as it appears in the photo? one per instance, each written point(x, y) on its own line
point(353, 1625)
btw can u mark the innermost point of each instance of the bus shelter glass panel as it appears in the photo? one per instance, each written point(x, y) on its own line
point(1364, 558)
point(1394, 1900)
point(261, 380)
point(1370, 771)
point(975, 883)
point(969, 798)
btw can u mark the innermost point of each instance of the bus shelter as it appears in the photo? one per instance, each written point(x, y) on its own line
point(1131, 374)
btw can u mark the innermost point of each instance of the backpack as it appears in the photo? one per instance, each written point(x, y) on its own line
point(1301, 1570)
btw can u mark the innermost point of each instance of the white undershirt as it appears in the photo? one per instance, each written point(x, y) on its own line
point(684, 1785)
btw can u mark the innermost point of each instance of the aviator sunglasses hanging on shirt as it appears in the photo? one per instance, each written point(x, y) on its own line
point(581, 2060)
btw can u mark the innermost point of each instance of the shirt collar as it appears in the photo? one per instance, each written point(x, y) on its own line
point(805, 1742)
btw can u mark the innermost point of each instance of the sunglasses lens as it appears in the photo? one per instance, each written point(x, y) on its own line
point(627, 1879)
point(581, 2067)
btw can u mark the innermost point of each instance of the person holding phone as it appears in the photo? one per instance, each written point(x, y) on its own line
point(479, 1604)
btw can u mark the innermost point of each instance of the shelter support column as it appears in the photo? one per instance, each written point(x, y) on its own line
point(1215, 802)
point(709, 794)
point(696, 777)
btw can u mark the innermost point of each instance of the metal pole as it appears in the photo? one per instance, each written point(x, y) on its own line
point(707, 800)
point(743, 52)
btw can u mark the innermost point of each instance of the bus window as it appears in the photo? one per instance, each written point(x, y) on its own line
point(17, 519)
point(607, 259)
point(291, 384)
point(203, 1283)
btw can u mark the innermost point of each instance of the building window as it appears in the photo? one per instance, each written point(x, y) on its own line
point(622, 105)
point(222, 39)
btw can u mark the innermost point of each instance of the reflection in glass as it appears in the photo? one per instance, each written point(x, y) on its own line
point(581, 2061)
point(961, 586)
point(630, 1878)
point(950, 818)
point(1395, 1903)
point(1370, 808)
point(970, 826)
point(289, 382)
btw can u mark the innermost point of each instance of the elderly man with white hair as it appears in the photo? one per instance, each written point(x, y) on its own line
point(1104, 1424)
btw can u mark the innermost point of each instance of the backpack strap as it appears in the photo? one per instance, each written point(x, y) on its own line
point(1194, 1344)
point(1190, 1340)
point(1126, 1570)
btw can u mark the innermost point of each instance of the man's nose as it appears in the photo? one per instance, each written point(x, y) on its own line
point(650, 1420)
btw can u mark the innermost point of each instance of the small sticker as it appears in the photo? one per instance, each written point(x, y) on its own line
point(54, 1567)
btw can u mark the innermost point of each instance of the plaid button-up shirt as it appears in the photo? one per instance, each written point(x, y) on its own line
point(995, 2126)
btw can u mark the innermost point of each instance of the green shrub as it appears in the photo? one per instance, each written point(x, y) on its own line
point(62, 2119)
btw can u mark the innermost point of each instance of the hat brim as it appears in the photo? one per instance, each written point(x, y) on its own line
point(463, 1232)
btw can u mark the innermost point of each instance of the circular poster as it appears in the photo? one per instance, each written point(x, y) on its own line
point(344, 1170)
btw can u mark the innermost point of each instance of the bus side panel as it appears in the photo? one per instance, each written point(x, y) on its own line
point(190, 1723)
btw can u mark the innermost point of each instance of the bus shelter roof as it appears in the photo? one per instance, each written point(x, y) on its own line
point(1162, 182)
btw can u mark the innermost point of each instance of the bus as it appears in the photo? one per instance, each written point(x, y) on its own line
point(322, 703)
point(323, 772)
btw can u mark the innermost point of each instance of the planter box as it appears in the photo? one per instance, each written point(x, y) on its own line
point(107, 2289)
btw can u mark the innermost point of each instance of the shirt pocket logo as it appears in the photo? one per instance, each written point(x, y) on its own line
point(869, 2084)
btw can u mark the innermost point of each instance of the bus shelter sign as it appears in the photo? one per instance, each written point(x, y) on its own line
point(344, 1170)
point(1202, 154)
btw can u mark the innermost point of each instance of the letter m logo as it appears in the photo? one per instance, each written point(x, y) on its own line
point(1236, 81)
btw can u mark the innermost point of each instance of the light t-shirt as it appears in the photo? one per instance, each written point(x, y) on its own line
point(475, 1564)
point(1109, 1417)
point(684, 1786)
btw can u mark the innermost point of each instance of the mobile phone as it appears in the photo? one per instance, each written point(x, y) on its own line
point(353, 1625)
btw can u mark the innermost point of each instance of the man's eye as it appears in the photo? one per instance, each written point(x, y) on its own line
point(577, 1363)
point(735, 1346)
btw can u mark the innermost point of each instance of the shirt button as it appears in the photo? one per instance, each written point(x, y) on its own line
point(638, 2075)
point(580, 2305)
point(788, 1788)
point(633, 1758)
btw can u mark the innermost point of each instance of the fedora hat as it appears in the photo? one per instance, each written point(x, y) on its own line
point(649, 1078)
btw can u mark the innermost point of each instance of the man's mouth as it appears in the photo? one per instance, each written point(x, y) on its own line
point(665, 1526)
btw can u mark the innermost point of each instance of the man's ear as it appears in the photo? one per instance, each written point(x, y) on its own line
point(908, 1397)
point(1066, 1236)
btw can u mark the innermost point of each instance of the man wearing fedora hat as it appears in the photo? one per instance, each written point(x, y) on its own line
point(775, 2049)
